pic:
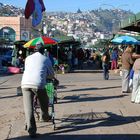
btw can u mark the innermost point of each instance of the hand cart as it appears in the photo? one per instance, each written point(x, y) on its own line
point(51, 94)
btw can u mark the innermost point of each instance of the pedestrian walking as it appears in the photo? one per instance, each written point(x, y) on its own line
point(114, 59)
point(37, 69)
point(127, 63)
point(69, 59)
point(135, 97)
point(80, 56)
point(105, 64)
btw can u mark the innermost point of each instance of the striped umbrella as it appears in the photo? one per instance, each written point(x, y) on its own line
point(44, 40)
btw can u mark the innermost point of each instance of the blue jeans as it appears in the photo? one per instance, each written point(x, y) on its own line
point(105, 71)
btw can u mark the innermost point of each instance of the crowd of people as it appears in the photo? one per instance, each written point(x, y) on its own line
point(130, 68)
point(91, 58)
point(38, 67)
point(67, 57)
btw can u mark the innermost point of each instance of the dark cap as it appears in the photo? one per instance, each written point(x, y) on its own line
point(39, 47)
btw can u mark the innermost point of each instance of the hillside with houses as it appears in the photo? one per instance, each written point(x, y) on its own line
point(88, 26)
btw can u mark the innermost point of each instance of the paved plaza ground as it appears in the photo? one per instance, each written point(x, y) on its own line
point(88, 108)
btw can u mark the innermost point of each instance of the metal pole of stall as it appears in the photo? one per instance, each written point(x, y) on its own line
point(57, 62)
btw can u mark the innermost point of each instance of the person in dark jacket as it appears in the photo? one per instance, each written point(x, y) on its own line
point(105, 64)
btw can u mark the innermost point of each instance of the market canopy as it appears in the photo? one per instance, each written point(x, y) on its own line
point(64, 38)
point(131, 35)
point(67, 40)
point(132, 23)
point(125, 40)
point(20, 42)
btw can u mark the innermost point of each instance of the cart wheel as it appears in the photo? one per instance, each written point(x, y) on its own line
point(25, 127)
point(54, 127)
point(53, 120)
point(55, 99)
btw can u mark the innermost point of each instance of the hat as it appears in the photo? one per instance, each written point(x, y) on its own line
point(39, 47)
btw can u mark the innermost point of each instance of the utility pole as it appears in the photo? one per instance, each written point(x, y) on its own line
point(44, 26)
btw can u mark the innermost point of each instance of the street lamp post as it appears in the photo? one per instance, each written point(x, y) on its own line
point(44, 28)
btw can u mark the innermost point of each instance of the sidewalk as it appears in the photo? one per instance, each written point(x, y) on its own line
point(88, 108)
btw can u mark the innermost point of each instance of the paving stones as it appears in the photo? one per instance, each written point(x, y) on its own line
point(88, 108)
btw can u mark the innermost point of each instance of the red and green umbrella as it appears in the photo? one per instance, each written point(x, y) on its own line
point(44, 40)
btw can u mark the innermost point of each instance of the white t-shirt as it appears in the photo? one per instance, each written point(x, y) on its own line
point(37, 68)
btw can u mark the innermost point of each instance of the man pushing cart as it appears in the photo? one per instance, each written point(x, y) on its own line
point(37, 69)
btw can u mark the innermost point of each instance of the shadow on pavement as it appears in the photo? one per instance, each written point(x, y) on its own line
point(64, 86)
point(84, 137)
point(5, 88)
point(77, 122)
point(3, 82)
point(81, 98)
point(9, 96)
point(87, 89)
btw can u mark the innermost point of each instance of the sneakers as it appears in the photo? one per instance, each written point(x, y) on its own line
point(132, 101)
point(31, 133)
point(47, 119)
point(126, 92)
